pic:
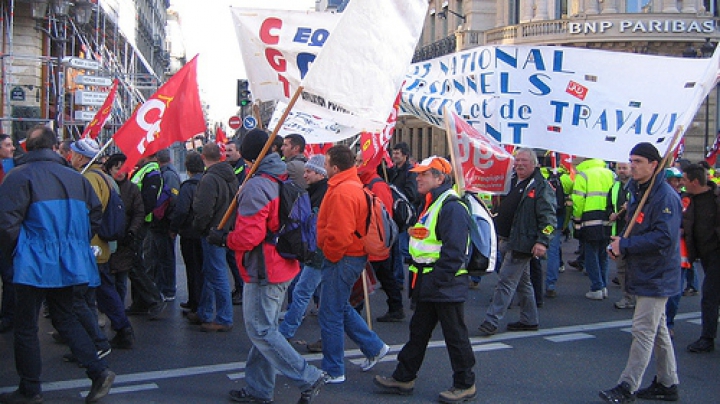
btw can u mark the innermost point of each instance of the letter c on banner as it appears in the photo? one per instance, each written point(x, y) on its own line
point(265, 35)
point(151, 128)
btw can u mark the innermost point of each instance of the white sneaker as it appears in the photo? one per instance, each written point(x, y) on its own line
point(596, 295)
point(605, 293)
point(370, 362)
point(561, 269)
point(335, 380)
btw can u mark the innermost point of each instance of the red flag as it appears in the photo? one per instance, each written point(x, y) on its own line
point(221, 140)
point(92, 130)
point(374, 145)
point(486, 165)
point(319, 148)
point(711, 156)
point(173, 113)
point(566, 161)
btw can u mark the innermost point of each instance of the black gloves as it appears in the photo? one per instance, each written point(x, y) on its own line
point(217, 237)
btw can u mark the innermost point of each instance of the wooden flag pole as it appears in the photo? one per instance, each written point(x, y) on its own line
point(263, 152)
point(366, 295)
point(258, 118)
point(454, 154)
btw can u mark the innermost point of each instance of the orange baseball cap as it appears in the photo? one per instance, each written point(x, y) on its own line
point(435, 162)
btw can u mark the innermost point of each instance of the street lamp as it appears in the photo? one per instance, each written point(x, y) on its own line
point(61, 8)
point(83, 11)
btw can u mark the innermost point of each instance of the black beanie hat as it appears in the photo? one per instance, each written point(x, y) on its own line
point(646, 150)
point(253, 143)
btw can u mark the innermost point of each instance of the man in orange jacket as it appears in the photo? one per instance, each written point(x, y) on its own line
point(344, 261)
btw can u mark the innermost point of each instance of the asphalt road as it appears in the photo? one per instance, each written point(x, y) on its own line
point(581, 347)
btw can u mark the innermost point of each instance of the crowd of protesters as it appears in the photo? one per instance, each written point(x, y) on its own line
point(653, 248)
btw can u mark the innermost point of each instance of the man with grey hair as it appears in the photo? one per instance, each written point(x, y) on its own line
point(525, 222)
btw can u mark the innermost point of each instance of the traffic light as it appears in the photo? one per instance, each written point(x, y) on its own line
point(243, 93)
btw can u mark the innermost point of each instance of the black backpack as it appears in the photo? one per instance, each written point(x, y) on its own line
point(555, 183)
point(404, 213)
point(112, 227)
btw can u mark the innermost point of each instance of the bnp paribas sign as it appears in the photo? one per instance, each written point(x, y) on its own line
point(644, 25)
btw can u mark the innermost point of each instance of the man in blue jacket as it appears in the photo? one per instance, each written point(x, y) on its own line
point(652, 255)
point(46, 227)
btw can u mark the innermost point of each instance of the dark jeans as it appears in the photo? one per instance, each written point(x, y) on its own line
point(710, 301)
point(192, 253)
point(7, 305)
point(121, 278)
point(109, 301)
point(234, 271)
point(83, 306)
point(385, 274)
point(537, 279)
point(142, 288)
point(455, 332)
point(27, 344)
point(159, 250)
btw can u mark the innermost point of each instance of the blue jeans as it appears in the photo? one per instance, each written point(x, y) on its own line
point(553, 255)
point(671, 308)
point(271, 353)
point(596, 264)
point(691, 279)
point(109, 301)
point(7, 304)
point(83, 307)
point(308, 281)
point(216, 293)
point(399, 253)
point(337, 317)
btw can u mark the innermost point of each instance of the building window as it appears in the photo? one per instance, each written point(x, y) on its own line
point(513, 12)
point(561, 9)
point(639, 6)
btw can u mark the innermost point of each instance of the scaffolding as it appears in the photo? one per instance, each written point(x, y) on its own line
point(31, 60)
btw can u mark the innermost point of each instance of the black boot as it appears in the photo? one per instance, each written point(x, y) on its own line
point(124, 339)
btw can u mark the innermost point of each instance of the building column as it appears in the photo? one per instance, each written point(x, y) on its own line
point(575, 7)
point(591, 7)
point(690, 6)
point(541, 13)
point(670, 6)
point(610, 7)
point(526, 10)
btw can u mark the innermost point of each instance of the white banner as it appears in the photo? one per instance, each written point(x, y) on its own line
point(584, 102)
point(356, 77)
point(278, 47)
point(313, 128)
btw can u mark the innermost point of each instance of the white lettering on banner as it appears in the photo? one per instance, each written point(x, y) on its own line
point(576, 101)
point(152, 128)
point(644, 26)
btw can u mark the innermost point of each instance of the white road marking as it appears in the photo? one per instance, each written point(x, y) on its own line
point(239, 366)
point(576, 336)
point(127, 389)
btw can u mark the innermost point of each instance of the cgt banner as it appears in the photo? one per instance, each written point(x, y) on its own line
point(577, 101)
point(486, 165)
point(278, 47)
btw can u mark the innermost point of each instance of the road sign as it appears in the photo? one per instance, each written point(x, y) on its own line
point(234, 122)
point(249, 122)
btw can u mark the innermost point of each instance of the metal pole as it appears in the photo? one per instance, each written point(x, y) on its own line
point(707, 125)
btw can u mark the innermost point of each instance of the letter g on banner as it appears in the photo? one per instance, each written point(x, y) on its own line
point(153, 109)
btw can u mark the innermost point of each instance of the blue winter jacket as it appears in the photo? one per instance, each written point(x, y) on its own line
point(652, 251)
point(48, 214)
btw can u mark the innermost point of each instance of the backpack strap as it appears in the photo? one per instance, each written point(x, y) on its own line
point(368, 198)
point(372, 182)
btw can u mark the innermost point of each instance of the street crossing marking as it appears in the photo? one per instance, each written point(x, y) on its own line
point(479, 343)
point(697, 321)
point(236, 376)
point(576, 336)
point(127, 389)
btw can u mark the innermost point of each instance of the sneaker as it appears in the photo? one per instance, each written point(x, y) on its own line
point(100, 386)
point(604, 293)
point(625, 303)
point(315, 347)
point(306, 396)
point(369, 363)
point(237, 297)
point(242, 396)
point(690, 292)
point(561, 269)
point(390, 385)
point(392, 317)
point(123, 339)
point(215, 327)
point(619, 394)
point(657, 391)
point(518, 326)
point(16, 397)
point(456, 395)
point(335, 380)
point(702, 345)
point(551, 293)
point(157, 309)
point(595, 295)
point(103, 353)
point(487, 329)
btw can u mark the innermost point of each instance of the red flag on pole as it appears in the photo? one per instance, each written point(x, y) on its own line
point(566, 161)
point(679, 150)
point(318, 148)
point(711, 156)
point(92, 130)
point(374, 145)
point(220, 140)
point(173, 113)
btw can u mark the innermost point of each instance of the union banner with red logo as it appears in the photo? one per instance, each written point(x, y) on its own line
point(92, 130)
point(172, 114)
point(373, 146)
point(486, 165)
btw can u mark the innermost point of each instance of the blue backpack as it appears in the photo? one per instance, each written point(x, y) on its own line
point(112, 227)
point(297, 237)
point(483, 239)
